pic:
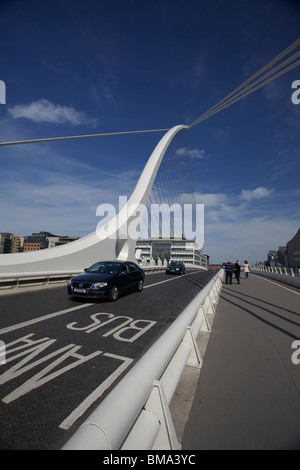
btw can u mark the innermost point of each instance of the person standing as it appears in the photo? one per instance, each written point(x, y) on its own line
point(246, 269)
point(229, 271)
point(237, 270)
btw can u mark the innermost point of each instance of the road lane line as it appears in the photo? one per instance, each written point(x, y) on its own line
point(85, 404)
point(78, 307)
point(276, 284)
point(42, 376)
point(44, 317)
point(172, 279)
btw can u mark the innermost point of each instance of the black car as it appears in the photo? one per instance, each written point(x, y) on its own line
point(176, 267)
point(107, 279)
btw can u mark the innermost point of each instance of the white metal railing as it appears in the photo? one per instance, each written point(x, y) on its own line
point(136, 414)
point(287, 271)
point(16, 280)
point(287, 275)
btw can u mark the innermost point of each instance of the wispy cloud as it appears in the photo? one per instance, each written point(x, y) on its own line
point(59, 204)
point(47, 190)
point(237, 227)
point(198, 154)
point(43, 110)
point(258, 193)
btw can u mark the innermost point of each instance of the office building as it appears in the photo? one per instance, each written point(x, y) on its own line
point(293, 250)
point(171, 249)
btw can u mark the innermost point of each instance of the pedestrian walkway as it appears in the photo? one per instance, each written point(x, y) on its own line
point(248, 393)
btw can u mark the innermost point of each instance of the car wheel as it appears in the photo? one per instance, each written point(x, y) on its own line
point(114, 294)
point(140, 285)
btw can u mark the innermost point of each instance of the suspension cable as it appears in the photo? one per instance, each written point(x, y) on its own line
point(237, 95)
point(243, 90)
point(51, 139)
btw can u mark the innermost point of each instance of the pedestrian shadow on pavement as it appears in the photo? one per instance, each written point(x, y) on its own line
point(265, 302)
point(267, 322)
point(268, 303)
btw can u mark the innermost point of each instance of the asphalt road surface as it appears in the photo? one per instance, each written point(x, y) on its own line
point(62, 357)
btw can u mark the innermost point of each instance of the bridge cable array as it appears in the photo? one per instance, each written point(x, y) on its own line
point(247, 87)
point(172, 186)
point(239, 93)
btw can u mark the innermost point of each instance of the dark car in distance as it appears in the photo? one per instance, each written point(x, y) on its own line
point(107, 279)
point(176, 267)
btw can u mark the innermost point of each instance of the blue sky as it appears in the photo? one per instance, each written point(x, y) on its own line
point(73, 67)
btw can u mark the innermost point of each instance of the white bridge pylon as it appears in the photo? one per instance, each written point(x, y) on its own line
point(111, 242)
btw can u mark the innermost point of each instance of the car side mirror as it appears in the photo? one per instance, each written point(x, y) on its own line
point(85, 270)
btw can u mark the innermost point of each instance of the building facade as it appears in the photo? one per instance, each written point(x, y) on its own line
point(10, 243)
point(171, 249)
point(32, 246)
point(58, 241)
point(39, 239)
point(288, 256)
point(5, 242)
point(293, 250)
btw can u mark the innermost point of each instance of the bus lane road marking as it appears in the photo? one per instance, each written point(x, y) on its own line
point(43, 318)
point(26, 353)
point(72, 309)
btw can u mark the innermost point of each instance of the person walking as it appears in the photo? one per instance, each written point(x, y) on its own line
point(246, 269)
point(228, 271)
point(237, 270)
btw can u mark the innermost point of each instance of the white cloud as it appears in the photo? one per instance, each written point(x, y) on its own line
point(234, 229)
point(258, 193)
point(213, 200)
point(63, 205)
point(55, 198)
point(197, 154)
point(192, 153)
point(44, 111)
point(250, 240)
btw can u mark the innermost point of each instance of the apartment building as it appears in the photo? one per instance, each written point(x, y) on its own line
point(32, 246)
point(10, 243)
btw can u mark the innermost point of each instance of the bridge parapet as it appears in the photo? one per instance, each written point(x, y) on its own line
point(136, 414)
point(290, 276)
point(16, 280)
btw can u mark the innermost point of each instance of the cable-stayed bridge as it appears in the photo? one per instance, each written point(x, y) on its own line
point(110, 241)
point(61, 361)
point(113, 240)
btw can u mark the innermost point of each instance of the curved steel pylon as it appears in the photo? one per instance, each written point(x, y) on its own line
point(112, 241)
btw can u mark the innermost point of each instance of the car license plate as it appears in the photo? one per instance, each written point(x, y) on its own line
point(80, 291)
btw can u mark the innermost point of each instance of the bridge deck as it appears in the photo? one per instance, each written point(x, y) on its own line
point(248, 394)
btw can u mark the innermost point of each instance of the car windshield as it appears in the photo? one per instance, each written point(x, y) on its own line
point(104, 267)
point(175, 264)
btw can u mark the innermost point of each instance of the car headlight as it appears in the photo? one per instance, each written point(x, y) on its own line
point(98, 285)
point(177, 269)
